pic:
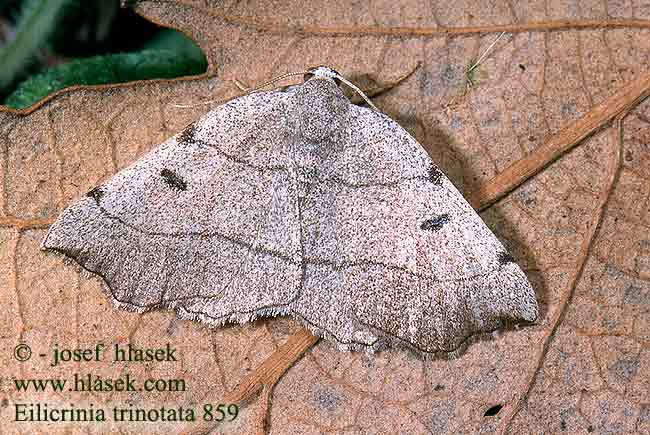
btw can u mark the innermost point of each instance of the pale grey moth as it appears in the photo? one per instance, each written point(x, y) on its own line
point(297, 202)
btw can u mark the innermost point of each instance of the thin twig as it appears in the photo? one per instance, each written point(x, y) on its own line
point(25, 224)
point(561, 142)
point(270, 371)
point(417, 32)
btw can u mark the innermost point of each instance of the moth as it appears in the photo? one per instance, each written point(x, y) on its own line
point(297, 202)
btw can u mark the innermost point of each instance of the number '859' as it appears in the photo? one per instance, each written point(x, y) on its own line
point(220, 412)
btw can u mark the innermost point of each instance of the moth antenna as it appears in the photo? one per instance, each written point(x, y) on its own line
point(357, 90)
point(238, 84)
point(242, 87)
point(330, 71)
point(277, 79)
point(202, 103)
point(282, 77)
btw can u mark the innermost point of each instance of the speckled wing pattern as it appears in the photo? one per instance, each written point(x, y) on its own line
point(296, 202)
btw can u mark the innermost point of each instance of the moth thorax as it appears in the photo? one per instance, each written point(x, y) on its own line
point(319, 110)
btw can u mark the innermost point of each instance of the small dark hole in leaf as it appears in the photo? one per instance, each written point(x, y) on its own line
point(491, 412)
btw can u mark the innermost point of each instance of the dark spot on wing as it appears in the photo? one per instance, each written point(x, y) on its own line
point(187, 135)
point(96, 193)
point(435, 223)
point(435, 175)
point(439, 387)
point(505, 258)
point(173, 180)
point(491, 412)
